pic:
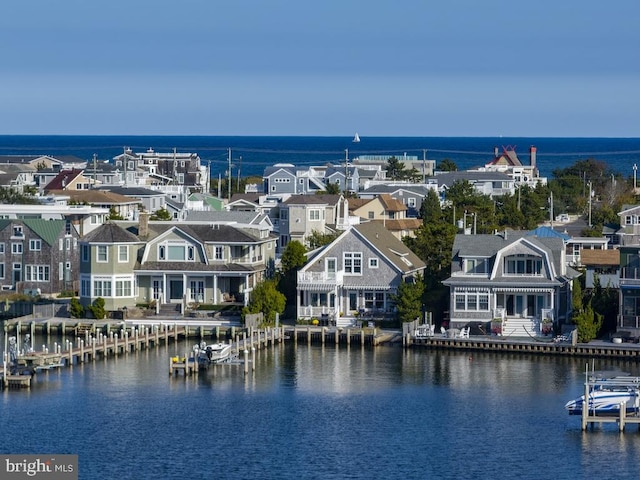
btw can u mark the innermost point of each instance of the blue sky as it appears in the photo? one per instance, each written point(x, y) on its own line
point(331, 67)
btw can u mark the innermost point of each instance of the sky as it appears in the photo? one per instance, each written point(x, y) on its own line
point(320, 68)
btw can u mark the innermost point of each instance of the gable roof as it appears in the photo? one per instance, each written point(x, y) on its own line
point(312, 199)
point(389, 246)
point(64, 178)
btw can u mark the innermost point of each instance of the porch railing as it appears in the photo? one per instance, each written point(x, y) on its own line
point(326, 278)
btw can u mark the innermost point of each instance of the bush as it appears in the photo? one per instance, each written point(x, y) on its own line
point(97, 309)
point(76, 310)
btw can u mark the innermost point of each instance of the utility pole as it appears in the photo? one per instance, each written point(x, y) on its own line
point(589, 203)
point(95, 167)
point(551, 211)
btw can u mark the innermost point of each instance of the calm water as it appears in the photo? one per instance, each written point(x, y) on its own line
point(250, 155)
point(314, 412)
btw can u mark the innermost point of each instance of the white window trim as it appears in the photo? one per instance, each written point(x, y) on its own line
point(126, 247)
point(106, 249)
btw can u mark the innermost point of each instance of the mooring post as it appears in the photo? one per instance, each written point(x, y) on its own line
point(246, 361)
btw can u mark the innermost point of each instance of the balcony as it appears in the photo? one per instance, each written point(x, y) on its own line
point(630, 276)
point(321, 281)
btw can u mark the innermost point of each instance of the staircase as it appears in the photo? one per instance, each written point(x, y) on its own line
point(519, 327)
point(169, 309)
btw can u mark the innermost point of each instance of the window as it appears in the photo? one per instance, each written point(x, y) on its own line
point(103, 254)
point(374, 300)
point(123, 288)
point(218, 253)
point(373, 263)
point(475, 266)
point(2, 270)
point(352, 263)
point(35, 245)
point(102, 288)
point(2, 248)
point(472, 301)
point(371, 215)
point(314, 214)
point(411, 202)
point(16, 248)
point(284, 214)
point(84, 252)
point(17, 231)
point(36, 273)
point(523, 265)
point(85, 288)
point(123, 253)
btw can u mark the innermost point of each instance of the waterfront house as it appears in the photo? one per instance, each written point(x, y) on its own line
point(355, 276)
point(410, 195)
point(280, 178)
point(174, 264)
point(38, 256)
point(510, 279)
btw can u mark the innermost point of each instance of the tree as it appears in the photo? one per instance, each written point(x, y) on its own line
point(266, 299)
point(331, 189)
point(97, 308)
point(162, 214)
point(447, 165)
point(588, 323)
point(408, 300)
point(113, 215)
point(76, 310)
point(396, 169)
point(430, 210)
point(293, 256)
point(318, 239)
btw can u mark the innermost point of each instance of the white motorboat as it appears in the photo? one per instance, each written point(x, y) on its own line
point(608, 395)
point(214, 353)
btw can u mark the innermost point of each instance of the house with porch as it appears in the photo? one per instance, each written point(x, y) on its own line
point(355, 276)
point(517, 281)
point(173, 264)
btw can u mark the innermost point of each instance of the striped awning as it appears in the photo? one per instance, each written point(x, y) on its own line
point(524, 290)
point(317, 287)
point(367, 287)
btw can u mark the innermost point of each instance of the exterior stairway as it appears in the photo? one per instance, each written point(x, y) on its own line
point(520, 327)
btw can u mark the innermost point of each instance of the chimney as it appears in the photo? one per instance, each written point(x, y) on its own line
point(532, 153)
point(143, 225)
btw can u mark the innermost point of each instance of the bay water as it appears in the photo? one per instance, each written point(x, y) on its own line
point(320, 412)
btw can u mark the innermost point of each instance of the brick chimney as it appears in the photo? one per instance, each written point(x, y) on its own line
point(532, 153)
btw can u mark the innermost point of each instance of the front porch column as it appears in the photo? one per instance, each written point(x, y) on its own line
point(245, 296)
point(337, 304)
point(297, 303)
point(214, 298)
point(163, 298)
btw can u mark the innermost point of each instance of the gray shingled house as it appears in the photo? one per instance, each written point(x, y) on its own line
point(515, 282)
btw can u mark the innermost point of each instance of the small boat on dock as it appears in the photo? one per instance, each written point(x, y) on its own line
point(608, 395)
point(214, 353)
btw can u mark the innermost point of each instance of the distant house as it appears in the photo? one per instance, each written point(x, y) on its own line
point(629, 316)
point(355, 276)
point(125, 207)
point(69, 180)
point(38, 255)
point(381, 207)
point(520, 280)
point(301, 215)
point(411, 196)
point(486, 183)
point(280, 178)
point(603, 265)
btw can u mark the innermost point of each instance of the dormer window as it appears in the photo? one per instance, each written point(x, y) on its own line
point(523, 265)
point(475, 266)
point(17, 231)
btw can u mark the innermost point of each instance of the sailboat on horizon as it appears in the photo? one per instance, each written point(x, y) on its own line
point(356, 138)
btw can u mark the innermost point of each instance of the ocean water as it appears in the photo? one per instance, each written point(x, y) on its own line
point(250, 155)
point(320, 412)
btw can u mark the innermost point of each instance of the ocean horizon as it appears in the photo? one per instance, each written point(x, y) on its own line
point(250, 155)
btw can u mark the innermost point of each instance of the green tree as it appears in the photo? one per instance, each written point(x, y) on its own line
point(430, 210)
point(97, 308)
point(408, 300)
point(113, 215)
point(161, 215)
point(266, 298)
point(318, 239)
point(76, 310)
point(331, 189)
point(293, 257)
point(588, 323)
point(396, 169)
point(447, 165)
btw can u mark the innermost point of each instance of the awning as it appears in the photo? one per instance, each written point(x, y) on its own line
point(524, 290)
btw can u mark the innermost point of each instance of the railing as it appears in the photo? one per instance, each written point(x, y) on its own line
point(325, 278)
point(317, 312)
point(629, 273)
point(628, 321)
